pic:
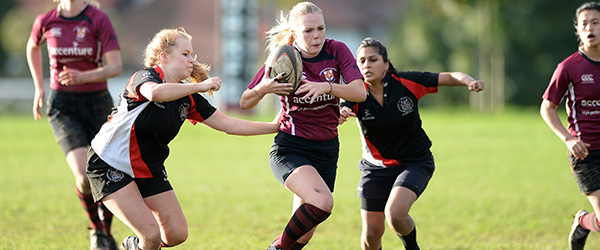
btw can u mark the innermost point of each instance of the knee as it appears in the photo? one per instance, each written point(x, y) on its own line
point(396, 217)
point(373, 234)
point(176, 236)
point(82, 183)
point(150, 240)
point(325, 203)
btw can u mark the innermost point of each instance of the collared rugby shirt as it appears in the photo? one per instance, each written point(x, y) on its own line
point(75, 42)
point(318, 120)
point(392, 133)
point(135, 138)
point(574, 80)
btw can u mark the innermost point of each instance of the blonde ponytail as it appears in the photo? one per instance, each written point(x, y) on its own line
point(280, 33)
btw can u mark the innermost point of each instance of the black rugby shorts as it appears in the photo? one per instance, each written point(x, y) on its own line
point(105, 180)
point(289, 152)
point(586, 171)
point(76, 118)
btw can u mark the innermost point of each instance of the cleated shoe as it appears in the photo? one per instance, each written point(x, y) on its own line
point(130, 243)
point(578, 235)
point(272, 246)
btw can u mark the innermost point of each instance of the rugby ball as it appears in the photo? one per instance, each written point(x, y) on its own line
point(287, 60)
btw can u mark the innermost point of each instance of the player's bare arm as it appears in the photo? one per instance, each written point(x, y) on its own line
point(34, 59)
point(251, 97)
point(353, 91)
point(577, 147)
point(460, 79)
point(165, 92)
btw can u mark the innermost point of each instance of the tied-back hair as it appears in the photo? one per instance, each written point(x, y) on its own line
point(282, 33)
point(586, 6)
point(164, 41)
point(381, 50)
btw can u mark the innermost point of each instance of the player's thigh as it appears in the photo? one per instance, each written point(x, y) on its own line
point(306, 183)
point(400, 201)
point(129, 206)
point(167, 211)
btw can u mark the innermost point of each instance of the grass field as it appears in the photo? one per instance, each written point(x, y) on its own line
point(502, 182)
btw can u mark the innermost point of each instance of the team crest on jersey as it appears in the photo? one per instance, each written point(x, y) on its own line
point(405, 105)
point(80, 33)
point(114, 175)
point(587, 79)
point(56, 32)
point(184, 110)
point(329, 74)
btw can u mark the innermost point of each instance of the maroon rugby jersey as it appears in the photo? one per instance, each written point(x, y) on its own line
point(76, 42)
point(135, 138)
point(574, 79)
point(319, 120)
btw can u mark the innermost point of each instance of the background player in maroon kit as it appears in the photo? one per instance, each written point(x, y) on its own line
point(78, 37)
point(305, 152)
point(574, 80)
point(126, 159)
point(397, 163)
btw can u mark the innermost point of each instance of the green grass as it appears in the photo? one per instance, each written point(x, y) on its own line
point(502, 181)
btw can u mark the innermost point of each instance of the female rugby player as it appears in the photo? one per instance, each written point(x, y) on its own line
point(574, 82)
point(84, 52)
point(397, 162)
point(126, 160)
point(304, 153)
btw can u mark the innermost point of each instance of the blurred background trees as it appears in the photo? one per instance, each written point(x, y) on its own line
point(513, 45)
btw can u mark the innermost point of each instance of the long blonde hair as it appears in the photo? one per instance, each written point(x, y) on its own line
point(164, 41)
point(281, 33)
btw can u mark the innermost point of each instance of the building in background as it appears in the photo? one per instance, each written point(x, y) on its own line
point(229, 35)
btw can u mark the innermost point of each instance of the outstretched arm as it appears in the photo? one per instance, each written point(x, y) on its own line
point(460, 79)
point(165, 92)
point(235, 126)
point(577, 147)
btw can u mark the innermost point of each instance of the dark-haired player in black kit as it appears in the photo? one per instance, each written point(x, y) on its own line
point(574, 81)
point(397, 163)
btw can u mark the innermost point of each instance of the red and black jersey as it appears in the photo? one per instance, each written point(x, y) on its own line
point(135, 138)
point(75, 42)
point(574, 81)
point(392, 133)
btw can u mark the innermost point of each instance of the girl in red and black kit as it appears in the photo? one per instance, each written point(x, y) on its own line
point(574, 81)
point(84, 53)
point(304, 153)
point(126, 160)
point(396, 163)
